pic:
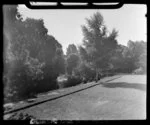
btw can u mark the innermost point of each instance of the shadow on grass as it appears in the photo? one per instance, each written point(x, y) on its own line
point(138, 86)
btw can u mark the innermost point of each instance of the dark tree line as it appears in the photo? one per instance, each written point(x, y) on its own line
point(33, 60)
point(101, 52)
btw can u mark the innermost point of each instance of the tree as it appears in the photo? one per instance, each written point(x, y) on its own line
point(137, 53)
point(31, 56)
point(99, 45)
point(72, 58)
point(142, 63)
point(84, 71)
point(71, 49)
point(83, 54)
point(72, 62)
point(59, 61)
point(130, 57)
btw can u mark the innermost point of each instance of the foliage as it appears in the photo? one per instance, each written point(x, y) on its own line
point(99, 45)
point(72, 81)
point(84, 71)
point(131, 57)
point(59, 61)
point(72, 62)
point(31, 56)
point(101, 52)
point(33, 59)
point(71, 49)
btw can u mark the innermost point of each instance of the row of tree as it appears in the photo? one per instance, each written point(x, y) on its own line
point(101, 52)
point(33, 59)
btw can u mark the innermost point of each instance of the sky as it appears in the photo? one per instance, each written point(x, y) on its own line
point(65, 24)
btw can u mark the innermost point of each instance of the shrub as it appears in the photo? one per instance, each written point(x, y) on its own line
point(72, 81)
point(139, 71)
point(84, 72)
point(31, 57)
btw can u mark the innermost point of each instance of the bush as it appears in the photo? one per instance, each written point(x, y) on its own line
point(72, 81)
point(85, 72)
point(33, 60)
point(139, 71)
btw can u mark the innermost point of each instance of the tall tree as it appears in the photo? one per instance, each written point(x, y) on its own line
point(98, 43)
point(72, 62)
point(30, 55)
point(135, 54)
point(71, 49)
point(130, 57)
